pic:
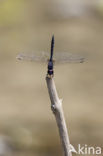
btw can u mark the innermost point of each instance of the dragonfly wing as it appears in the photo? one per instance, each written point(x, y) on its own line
point(36, 57)
point(65, 57)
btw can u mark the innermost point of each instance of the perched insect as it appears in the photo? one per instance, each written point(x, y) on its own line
point(59, 57)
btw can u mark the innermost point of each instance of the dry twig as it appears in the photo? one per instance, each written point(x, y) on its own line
point(56, 105)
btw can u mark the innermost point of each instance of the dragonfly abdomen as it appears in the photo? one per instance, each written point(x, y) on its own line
point(52, 47)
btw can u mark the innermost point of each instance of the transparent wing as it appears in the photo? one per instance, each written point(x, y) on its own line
point(65, 57)
point(37, 56)
point(59, 57)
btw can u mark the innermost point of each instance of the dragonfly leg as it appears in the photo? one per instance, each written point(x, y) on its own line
point(50, 76)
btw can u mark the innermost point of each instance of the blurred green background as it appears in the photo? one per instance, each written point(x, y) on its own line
point(27, 125)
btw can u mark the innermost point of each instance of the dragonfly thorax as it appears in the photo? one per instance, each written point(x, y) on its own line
point(50, 68)
point(50, 65)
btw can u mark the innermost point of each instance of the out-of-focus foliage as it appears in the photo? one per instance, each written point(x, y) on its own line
point(11, 12)
point(100, 7)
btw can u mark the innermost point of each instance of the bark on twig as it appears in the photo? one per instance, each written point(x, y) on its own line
point(56, 106)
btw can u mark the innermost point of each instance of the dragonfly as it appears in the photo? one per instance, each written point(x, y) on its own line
point(58, 57)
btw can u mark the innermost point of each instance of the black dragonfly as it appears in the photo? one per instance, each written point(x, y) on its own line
point(58, 58)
